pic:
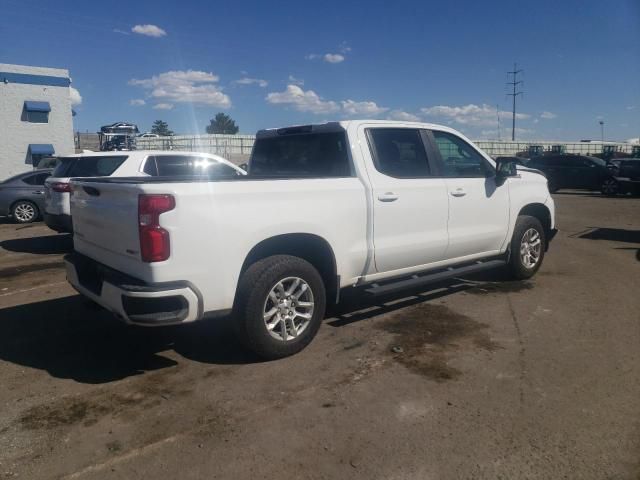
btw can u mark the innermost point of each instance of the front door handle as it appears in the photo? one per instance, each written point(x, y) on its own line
point(388, 197)
point(459, 192)
point(38, 192)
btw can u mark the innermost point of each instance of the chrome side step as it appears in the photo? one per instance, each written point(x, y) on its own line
point(433, 277)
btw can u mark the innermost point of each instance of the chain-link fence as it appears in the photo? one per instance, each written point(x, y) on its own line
point(237, 148)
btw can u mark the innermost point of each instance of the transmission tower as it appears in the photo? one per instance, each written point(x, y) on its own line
point(514, 84)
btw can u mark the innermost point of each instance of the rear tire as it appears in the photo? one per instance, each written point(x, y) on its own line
point(279, 307)
point(610, 187)
point(24, 211)
point(527, 247)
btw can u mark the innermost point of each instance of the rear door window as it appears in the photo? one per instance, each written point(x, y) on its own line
point(399, 152)
point(37, 179)
point(186, 165)
point(309, 155)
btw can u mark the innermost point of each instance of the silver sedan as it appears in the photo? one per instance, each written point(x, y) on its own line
point(22, 196)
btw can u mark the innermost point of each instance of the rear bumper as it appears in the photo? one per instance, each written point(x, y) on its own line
point(130, 299)
point(60, 223)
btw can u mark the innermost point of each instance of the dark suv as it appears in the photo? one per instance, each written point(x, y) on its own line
point(576, 171)
point(626, 171)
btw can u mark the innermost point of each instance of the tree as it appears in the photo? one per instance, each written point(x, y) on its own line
point(222, 123)
point(161, 128)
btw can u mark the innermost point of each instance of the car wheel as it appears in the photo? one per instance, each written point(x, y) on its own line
point(527, 247)
point(610, 187)
point(24, 211)
point(280, 304)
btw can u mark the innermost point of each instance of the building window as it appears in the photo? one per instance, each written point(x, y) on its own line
point(38, 151)
point(36, 112)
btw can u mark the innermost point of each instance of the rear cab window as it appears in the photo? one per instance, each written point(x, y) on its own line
point(301, 154)
point(186, 165)
point(94, 166)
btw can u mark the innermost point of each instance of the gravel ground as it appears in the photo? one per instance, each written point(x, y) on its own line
point(492, 379)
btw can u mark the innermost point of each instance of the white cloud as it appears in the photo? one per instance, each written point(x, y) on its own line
point(403, 116)
point(122, 32)
point(76, 98)
point(137, 102)
point(252, 81)
point(149, 30)
point(333, 57)
point(367, 109)
point(631, 107)
point(303, 101)
point(548, 115)
point(295, 81)
point(191, 86)
point(344, 47)
point(163, 106)
point(472, 115)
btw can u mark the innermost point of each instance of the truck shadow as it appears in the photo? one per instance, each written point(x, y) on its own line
point(71, 339)
point(68, 338)
point(45, 244)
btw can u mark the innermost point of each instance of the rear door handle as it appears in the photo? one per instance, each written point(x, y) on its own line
point(38, 192)
point(459, 192)
point(388, 197)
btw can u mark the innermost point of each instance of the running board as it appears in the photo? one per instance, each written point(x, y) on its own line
point(425, 279)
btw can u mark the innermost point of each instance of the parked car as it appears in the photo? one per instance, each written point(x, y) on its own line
point(377, 204)
point(575, 171)
point(122, 164)
point(22, 196)
point(627, 173)
point(148, 135)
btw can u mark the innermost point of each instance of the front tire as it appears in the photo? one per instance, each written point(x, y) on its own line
point(527, 247)
point(24, 211)
point(280, 304)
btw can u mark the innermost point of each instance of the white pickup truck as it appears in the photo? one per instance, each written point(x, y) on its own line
point(374, 204)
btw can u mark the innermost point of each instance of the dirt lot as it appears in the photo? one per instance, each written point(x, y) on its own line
point(496, 379)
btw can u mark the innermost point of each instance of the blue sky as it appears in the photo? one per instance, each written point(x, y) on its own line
point(278, 63)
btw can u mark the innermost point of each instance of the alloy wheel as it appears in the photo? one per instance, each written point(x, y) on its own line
point(288, 308)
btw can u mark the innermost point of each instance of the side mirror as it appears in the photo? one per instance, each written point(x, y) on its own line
point(505, 168)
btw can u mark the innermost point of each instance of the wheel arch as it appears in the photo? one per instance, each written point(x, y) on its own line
point(310, 247)
point(542, 213)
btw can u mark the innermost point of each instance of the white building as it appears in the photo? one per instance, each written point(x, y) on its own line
point(35, 116)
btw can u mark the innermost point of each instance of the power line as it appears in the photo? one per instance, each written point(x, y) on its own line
point(515, 93)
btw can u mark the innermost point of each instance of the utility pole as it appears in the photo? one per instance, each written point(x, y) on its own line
point(515, 93)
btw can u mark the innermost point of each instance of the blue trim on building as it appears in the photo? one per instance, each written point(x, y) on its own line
point(31, 106)
point(41, 149)
point(30, 79)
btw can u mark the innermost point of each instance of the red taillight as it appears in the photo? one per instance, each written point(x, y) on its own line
point(60, 187)
point(154, 240)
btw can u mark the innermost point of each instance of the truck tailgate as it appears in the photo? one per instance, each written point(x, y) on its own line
point(105, 216)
